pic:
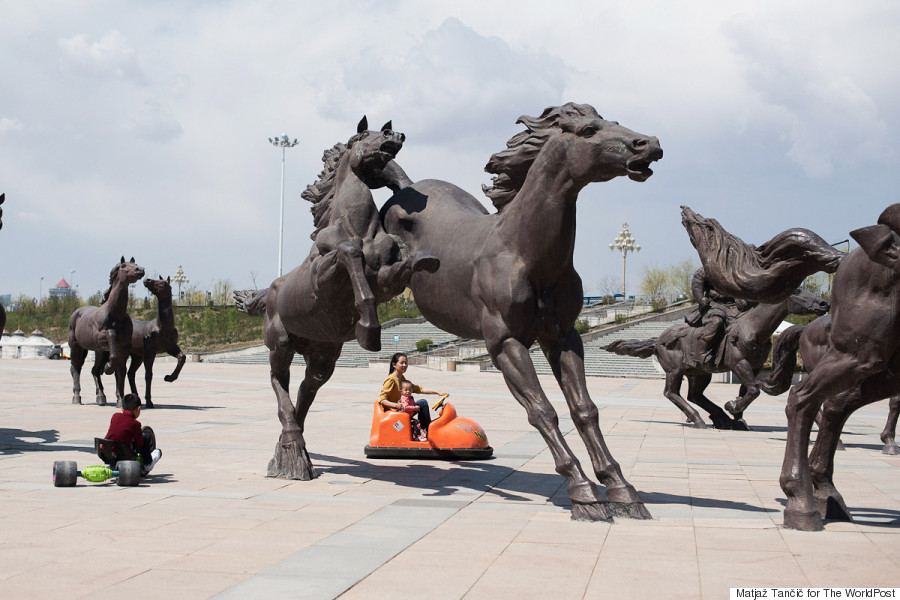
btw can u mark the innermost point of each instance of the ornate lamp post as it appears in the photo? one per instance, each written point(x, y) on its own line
point(284, 143)
point(179, 278)
point(624, 243)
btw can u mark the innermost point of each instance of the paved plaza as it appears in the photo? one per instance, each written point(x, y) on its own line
point(208, 523)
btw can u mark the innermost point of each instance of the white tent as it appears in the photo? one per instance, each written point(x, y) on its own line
point(19, 346)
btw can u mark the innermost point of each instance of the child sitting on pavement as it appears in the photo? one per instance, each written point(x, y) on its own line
point(409, 406)
point(125, 428)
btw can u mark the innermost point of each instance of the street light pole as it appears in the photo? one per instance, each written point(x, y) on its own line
point(179, 278)
point(624, 243)
point(284, 143)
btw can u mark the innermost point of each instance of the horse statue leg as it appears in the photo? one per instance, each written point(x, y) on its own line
point(100, 358)
point(149, 358)
point(697, 384)
point(566, 358)
point(136, 360)
point(835, 373)
point(175, 352)
point(77, 355)
point(672, 392)
point(749, 389)
point(121, 375)
point(368, 329)
point(890, 428)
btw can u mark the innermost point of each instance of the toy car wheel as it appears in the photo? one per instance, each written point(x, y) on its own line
point(65, 472)
point(151, 436)
point(129, 472)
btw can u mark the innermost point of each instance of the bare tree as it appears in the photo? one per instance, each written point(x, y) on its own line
point(680, 275)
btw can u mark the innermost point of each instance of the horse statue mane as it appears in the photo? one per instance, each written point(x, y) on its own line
point(510, 167)
point(321, 192)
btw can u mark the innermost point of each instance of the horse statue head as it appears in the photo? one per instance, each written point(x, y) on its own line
point(368, 155)
point(161, 288)
point(123, 273)
point(594, 150)
point(804, 302)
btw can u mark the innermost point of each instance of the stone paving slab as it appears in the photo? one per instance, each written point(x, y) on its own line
point(208, 523)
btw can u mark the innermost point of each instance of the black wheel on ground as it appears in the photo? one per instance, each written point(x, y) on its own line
point(129, 472)
point(65, 473)
point(151, 436)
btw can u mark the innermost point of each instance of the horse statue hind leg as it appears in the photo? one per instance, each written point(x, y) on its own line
point(889, 434)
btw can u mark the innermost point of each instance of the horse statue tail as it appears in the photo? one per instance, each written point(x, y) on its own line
point(636, 348)
point(252, 302)
point(784, 359)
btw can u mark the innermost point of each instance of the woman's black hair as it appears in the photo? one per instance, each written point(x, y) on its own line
point(394, 360)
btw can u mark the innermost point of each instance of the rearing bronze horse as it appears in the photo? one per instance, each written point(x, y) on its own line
point(509, 278)
point(106, 330)
point(331, 297)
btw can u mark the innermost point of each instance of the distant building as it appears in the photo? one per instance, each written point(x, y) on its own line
point(6, 300)
point(62, 290)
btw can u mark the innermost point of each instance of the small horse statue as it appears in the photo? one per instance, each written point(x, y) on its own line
point(853, 356)
point(743, 349)
point(107, 331)
point(149, 338)
point(331, 297)
point(768, 273)
point(509, 278)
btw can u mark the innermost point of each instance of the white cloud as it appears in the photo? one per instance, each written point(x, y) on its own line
point(7, 125)
point(156, 124)
point(110, 56)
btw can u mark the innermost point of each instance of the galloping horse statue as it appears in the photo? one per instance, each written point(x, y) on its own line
point(768, 273)
point(853, 356)
point(149, 338)
point(743, 349)
point(508, 278)
point(107, 331)
point(331, 297)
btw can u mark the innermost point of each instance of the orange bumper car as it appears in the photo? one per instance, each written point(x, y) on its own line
point(450, 437)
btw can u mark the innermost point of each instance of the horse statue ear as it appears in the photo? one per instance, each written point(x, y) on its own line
point(363, 125)
point(122, 260)
point(160, 278)
point(168, 279)
point(387, 126)
point(132, 260)
point(881, 245)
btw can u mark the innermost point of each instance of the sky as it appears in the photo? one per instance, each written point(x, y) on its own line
point(140, 128)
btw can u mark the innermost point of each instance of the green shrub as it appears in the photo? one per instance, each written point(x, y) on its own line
point(582, 326)
point(422, 345)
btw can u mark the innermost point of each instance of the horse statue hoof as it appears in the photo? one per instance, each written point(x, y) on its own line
point(76, 400)
point(802, 520)
point(369, 337)
point(729, 406)
point(109, 368)
point(595, 511)
point(168, 379)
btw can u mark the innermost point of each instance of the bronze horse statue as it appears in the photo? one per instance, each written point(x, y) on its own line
point(743, 349)
point(853, 356)
point(509, 278)
point(767, 273)
point(149, 338)
point(331, 297)
point(107, 331)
